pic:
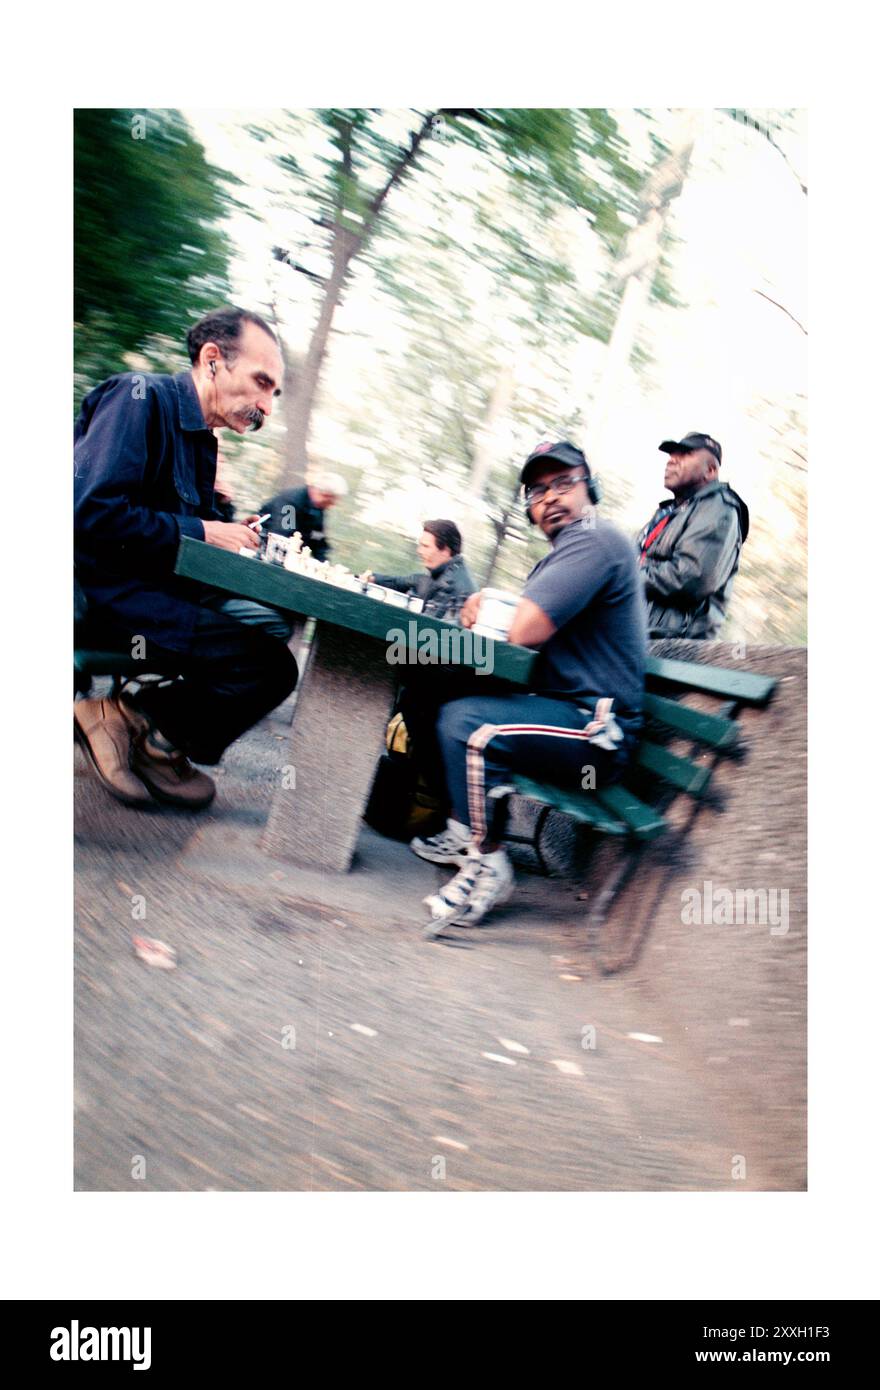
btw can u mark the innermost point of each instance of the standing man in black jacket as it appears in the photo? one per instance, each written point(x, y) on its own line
point(302, 509)
point(689, 550)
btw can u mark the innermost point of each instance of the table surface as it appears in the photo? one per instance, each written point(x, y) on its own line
point(314, 598)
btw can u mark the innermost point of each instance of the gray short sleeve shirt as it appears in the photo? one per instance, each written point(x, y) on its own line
point(589, 586)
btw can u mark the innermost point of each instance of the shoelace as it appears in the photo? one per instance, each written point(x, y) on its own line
point(488, 890)
point(486, 885)
point(446, 839)
point(480, 890)
point(459, 889)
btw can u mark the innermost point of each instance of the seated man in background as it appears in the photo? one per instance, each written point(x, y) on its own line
point(689, 551)
point(446, 582)
point(302, 509)
point(583, 609)
point(145, 459)
point(409, 787)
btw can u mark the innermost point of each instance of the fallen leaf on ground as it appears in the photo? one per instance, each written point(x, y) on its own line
point(153, 952)
point(450, 1143)
point(497, 1057)
point(567, 1068)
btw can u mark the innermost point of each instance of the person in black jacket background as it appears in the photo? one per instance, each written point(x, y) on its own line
point(689, 551)
point(302, 509)
point(443, 586)
point(446, 581)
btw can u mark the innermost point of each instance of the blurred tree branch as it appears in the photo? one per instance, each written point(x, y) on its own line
point(783, 308)
point(286, 258)
point(746, 118)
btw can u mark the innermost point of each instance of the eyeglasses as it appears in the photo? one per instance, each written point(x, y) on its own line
point(564, 483)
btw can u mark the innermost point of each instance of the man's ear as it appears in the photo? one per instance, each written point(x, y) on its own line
point(209, 356)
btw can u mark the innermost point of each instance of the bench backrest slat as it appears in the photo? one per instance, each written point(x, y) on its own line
point(644, 822)
point(715, 680)
point(679, 772)
point(711, 729)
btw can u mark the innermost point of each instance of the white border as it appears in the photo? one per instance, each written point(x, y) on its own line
point(484, 1246)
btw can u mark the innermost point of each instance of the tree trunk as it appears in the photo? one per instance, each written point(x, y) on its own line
point(485, 450)
point(346, 245)
point(299, 415)
point(501, 531)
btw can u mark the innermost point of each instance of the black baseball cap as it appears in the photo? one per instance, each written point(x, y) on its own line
point(690, 443)
point(561, 452)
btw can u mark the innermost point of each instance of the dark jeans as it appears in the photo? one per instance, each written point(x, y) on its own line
point(233, 674)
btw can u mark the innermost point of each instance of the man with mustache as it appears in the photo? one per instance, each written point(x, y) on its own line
point(145, 462)
point(583, 609)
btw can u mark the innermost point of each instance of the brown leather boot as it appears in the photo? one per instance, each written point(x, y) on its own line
point(105, 738)
point(170, 776)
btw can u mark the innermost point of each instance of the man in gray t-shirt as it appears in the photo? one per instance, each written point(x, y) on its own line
point(588, 587)
point(583, 608)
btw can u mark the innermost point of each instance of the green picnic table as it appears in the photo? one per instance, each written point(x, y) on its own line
point(344, 696)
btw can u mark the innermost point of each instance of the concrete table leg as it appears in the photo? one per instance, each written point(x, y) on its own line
point(336, 739)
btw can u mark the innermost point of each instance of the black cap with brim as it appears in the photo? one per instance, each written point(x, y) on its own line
point(562, 452)
point(690, 443)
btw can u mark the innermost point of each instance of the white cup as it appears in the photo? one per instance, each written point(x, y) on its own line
point(495, 614)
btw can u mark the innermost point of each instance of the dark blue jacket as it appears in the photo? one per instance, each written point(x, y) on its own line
point(144, 466)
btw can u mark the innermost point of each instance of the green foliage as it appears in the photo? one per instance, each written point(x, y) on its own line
point(558, 155)
point(149, 256)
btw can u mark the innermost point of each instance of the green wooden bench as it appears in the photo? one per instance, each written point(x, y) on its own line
point(636, 809)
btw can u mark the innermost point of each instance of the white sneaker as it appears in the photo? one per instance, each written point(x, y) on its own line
point(450, 846)
point(457, 891)
point(485, 882)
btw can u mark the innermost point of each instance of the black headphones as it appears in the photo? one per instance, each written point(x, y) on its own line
point(594, 492)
